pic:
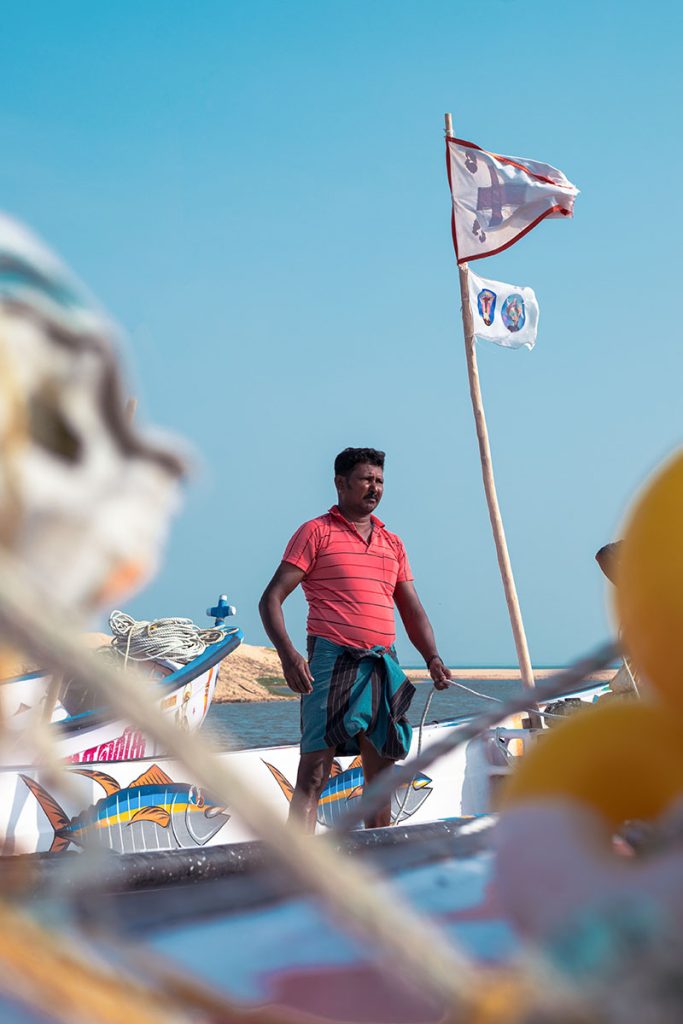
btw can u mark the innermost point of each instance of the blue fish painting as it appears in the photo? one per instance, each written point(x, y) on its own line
point(152, 813)
point(347, 784)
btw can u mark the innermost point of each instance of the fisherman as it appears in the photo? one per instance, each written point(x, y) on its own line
point(625, 680)
point(608, 559)
point(354, 695)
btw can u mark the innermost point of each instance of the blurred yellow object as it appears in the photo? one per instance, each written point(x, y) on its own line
point(624, 761)
point(616, 762)
point(649, 594)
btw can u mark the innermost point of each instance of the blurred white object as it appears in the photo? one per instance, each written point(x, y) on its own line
point(85, 498)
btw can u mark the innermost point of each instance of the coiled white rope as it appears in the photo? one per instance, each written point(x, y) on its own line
point(173, 638)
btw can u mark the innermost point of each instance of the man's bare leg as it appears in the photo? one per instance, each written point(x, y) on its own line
point(314, 771)
point(373, 764)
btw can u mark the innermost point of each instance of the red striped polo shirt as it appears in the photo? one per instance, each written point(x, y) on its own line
point(349, 585)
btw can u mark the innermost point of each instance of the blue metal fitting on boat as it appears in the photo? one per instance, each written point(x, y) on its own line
point(222, 610)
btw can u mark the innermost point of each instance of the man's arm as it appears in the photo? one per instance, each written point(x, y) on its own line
point(420, 632)
point(295, 667)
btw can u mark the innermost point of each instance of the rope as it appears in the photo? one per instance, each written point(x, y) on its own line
point(477, 693)
point(631, 676)
point(386, 783)
point(419, 749)
point(497, 700)
point(177, 639)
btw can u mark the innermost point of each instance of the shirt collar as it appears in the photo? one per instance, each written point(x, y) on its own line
point(334, 511)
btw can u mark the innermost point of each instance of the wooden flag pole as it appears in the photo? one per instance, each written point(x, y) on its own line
point(489, 482)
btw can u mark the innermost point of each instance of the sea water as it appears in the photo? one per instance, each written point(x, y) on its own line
point(275, 722)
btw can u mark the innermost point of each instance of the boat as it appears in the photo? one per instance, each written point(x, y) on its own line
point(84, 730)
point(255, 942)
point(147, 802)
point(189, 906)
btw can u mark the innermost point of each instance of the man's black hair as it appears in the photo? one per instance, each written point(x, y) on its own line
point(350, 457)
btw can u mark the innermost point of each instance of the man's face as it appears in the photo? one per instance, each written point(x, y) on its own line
point(361, 491)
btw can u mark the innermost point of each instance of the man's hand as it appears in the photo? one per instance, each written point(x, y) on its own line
point(295, 668)
point(441, 675)
point(297, 673)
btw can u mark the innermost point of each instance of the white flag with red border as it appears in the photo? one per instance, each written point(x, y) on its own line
point(498, 199)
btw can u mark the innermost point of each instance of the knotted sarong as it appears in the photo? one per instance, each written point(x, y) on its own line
point(356, 690)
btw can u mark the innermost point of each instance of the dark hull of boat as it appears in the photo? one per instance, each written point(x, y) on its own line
point(234, 877)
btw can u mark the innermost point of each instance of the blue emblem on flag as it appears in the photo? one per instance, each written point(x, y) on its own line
point(486, 304)
point(513, 312)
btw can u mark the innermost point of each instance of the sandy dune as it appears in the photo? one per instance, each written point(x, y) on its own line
point(242, 673)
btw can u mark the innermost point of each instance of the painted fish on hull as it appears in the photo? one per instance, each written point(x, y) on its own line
point(152, 813)
point(347, 784)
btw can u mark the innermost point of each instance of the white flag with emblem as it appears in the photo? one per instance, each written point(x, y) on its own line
point(506, 314)
point(498, 199)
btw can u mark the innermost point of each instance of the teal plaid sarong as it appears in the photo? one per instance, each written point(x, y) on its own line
point(356, 690)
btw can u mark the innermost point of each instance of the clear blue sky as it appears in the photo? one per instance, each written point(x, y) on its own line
point(257, 192)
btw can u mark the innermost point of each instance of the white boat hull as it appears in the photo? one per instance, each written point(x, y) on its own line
point(456, 785)
point(152, 803)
